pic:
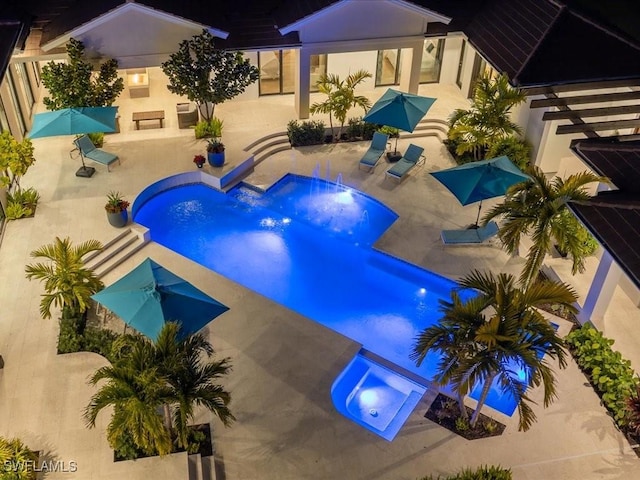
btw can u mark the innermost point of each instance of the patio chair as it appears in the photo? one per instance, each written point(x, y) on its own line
point(187, 115)
point(412, 157)
point(374, 152)
point(470, 236)
point(88, 150)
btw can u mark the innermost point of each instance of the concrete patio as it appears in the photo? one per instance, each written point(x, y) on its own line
point(284, 364)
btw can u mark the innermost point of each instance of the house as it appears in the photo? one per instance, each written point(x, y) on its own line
point(578, 61)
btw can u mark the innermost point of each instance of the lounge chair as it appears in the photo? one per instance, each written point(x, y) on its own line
point(412, 157)
point(88, 150)
point(375, 151)
point(469, 235)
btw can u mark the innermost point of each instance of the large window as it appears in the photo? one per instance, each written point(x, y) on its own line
point(4, 121)
point(431, 61)
point(318, 68)
point(480, 67)
point(16, 104)
point(23, 81)
point(278, 71)
point(388, 67)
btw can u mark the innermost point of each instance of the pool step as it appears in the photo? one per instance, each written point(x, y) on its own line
point(117, 250)
point(396, 368)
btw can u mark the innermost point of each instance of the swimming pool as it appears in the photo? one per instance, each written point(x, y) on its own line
point(307, 244)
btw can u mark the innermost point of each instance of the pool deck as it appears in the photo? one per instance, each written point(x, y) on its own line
point(284, 364)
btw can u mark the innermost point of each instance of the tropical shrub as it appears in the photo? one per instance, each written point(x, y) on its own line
point(15, 158)
point(73, 84)
point(537, 208)
point(97, 138)
point(358, 129)
point(489, 472)
point(610, 374)
point(309, 132)
point(209, 128)
point(92, 339)
point(517, 149)
point(68, 284)
point(17, 461)
point(481, 339)
point(341, 97)
point(473, 131)
point(22, 203)
point(632, 405)
point(153, 388)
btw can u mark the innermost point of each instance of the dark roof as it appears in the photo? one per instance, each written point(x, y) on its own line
point(544, 42)
point(613, 217)
point(9, 36)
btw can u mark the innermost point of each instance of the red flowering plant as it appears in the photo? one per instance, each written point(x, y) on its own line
point(115, 203)
point(199, 160)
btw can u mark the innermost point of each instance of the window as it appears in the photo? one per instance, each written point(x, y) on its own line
point(16, 103)
point(4, 121)
point(480, 67)
point(461, 63)
point(431, 61)
point(277, 71)
point(388, 67)
point(23, 80)
point(318, 68)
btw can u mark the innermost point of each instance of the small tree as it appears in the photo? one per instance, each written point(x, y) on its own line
point(17, 461)
point(489, 336)
point(474, 130)
point(15, 158)
point(68, 284)
point(207, 75)
point(341, 97)
point(72, 85)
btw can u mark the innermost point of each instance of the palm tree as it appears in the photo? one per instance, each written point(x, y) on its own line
point(487, 121)
point(538, 207)
point(136, 389)
point(191, 379)
point(341, 97)
point(172, 375)
point(67, 282)
point(490, 335)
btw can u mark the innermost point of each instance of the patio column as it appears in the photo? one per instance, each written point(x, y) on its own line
point(411, 65)
point(302, 82)
point(601, 291)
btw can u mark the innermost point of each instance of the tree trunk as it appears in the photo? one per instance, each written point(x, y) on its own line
point(483, 397)
point(167, 416)
point(463, 409)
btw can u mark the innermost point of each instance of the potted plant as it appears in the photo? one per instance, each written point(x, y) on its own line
point(215, 152)
point(215, 147)
point(199, 160)
point(116, 208)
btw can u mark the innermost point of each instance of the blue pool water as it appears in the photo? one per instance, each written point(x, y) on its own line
point(306, 244)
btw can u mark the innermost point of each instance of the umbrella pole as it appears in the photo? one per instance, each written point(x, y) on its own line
point(84, 171)
point(478, 217)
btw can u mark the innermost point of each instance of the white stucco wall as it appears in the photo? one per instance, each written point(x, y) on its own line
point(449, 69)
point(342, 64)
point(348, 21)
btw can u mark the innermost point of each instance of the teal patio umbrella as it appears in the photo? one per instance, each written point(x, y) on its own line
point(477, 181)
point(150, 295)
point(74, 121)
point(399, 110)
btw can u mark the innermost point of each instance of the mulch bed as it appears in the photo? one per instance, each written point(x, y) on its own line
point(444, 411)
point(206, 446)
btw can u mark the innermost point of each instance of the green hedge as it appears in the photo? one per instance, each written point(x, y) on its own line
point(610, 374)
point(489, 472)
point(92, 339)
point(309, 132)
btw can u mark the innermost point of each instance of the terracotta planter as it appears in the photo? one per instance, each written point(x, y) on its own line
point(118, 219)
point(215, 159)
